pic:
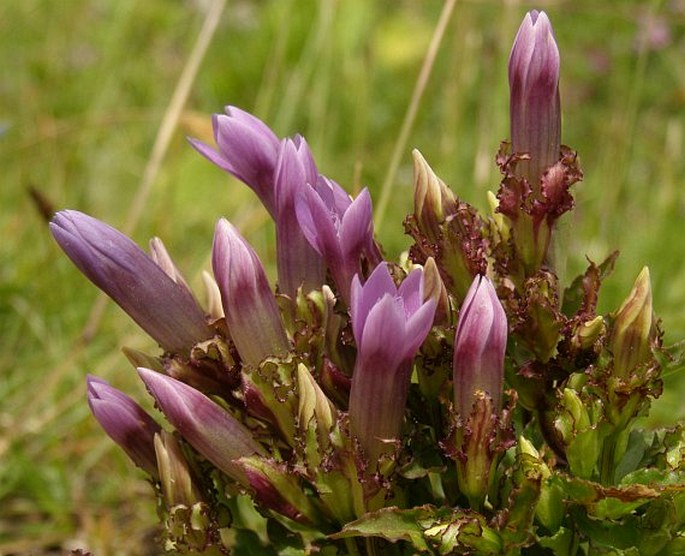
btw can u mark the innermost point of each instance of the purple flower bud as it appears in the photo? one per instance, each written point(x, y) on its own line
point(249, 304)
point(534, 97)
point(208, 428)
point(166, 310)
point(389, 325)
point(247, 149)
point(299, 265)
point(479, 346)
point(339, 229)
point(125, 422)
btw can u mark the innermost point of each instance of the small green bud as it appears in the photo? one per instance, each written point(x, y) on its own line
point(588, 332)
point(632, 330)
point(178, 487)
point(432, 198)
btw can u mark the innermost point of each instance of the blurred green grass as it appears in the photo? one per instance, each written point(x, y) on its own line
point(84, 87)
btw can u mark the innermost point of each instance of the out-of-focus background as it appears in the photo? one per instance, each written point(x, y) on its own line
point(85, 88)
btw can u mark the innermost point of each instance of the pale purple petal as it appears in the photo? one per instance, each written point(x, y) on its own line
point(252, 315)
point(356, 228)
point(166, 310)
point(411, 291)
point(210, 429)
point(125, 422)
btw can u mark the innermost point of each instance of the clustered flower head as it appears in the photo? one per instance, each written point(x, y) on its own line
point(463, 401)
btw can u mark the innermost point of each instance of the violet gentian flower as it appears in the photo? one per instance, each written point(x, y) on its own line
point(389, 325)
point(125, 422)
point(534, 101)
point(209, 428)
point(166, 310)
point(479, 346)
point(252, 316)
point(299, 265)
point(339, 229)
point(247, 149)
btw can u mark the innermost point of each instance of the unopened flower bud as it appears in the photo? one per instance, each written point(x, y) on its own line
point(589, 332)
point(632, 330)
point(125, 422)
point(479, 346)
point(207, 427)
point(433, 200)
point(534, 97)
point(161, 256)
point(249, 304)
point(279, 489)
point(175, 476)
point(166, 310)
point(434, 288)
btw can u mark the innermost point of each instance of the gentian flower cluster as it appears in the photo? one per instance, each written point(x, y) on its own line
point(461, 402)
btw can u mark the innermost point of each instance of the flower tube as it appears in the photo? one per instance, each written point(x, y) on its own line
point(299, 265)
point(389, 325)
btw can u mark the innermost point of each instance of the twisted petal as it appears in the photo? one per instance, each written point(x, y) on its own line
point(211, 430)
point(167, 311)
point(125, 422)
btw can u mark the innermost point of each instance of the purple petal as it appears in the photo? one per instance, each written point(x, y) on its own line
point(164, 309)
point(125, 422)
point(356, 228)
point(252, 315)
point(211, 430)
point(364, 298)
point(418, 326)
point(411, 291)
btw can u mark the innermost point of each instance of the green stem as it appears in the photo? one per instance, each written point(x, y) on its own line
point(351, 545)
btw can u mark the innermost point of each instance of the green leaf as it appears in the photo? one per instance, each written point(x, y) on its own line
point(561, 543)
point(428, 529)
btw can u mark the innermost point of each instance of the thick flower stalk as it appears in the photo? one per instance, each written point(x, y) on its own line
point(389, 324)
point(339, 229)
point(535, 110)
point(125, 422)
point(165, 309)
point(249, 304)
point(210, 429)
